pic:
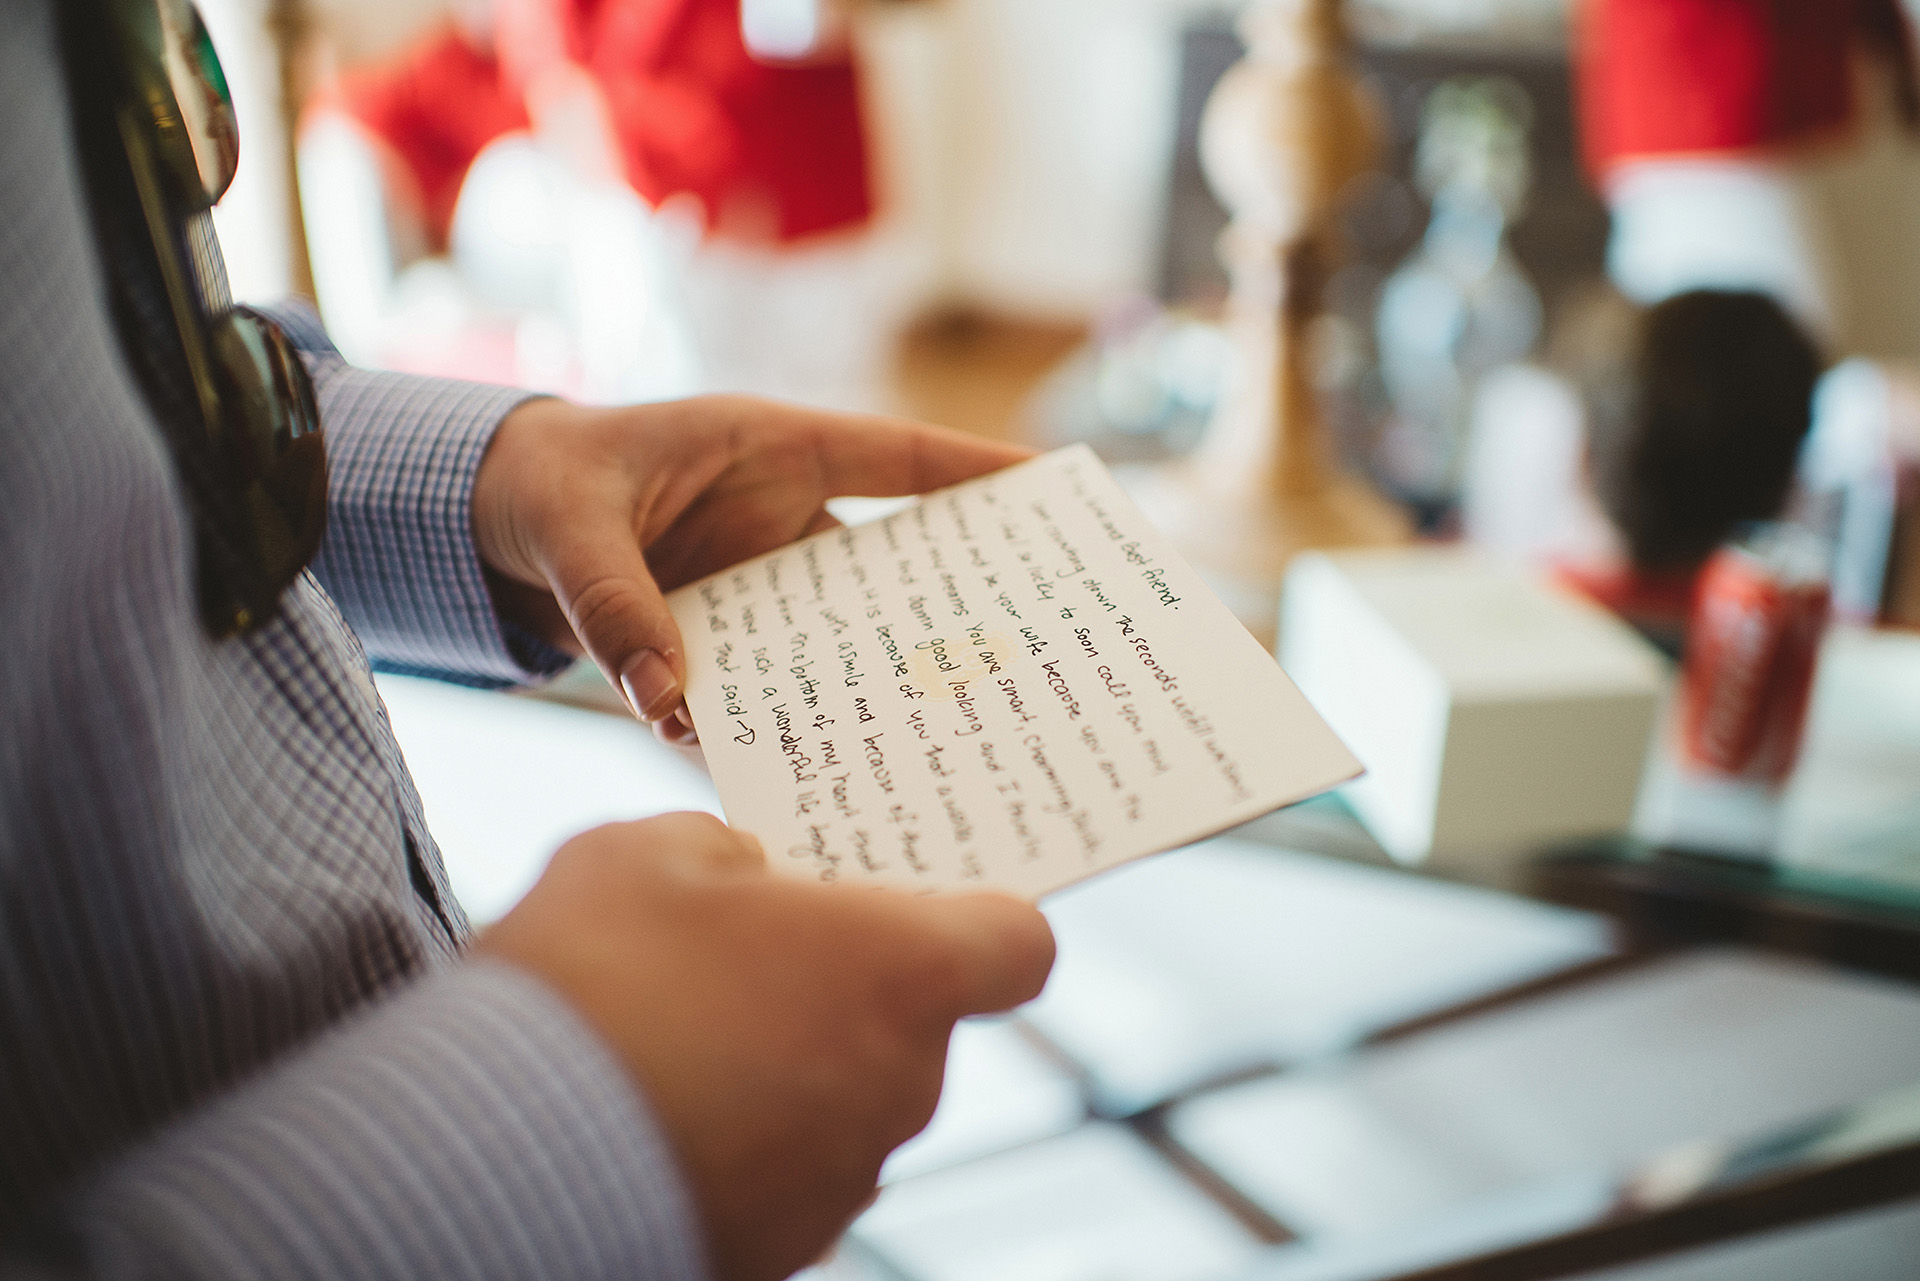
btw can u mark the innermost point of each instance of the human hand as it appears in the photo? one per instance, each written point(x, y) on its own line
point(787, 1034)
point(586, 516)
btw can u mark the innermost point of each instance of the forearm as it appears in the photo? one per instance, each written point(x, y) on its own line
point(472, 1126)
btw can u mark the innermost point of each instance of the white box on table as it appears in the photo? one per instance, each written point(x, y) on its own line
point(1493, 711)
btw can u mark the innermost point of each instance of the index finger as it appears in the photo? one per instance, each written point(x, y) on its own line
point(882, 457)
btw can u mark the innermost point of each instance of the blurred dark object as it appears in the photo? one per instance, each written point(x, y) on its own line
point(1900, 606)
point(1706, 432)
point(1666, 899)
point(1695, 413)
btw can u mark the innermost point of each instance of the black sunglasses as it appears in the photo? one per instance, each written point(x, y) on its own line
point(159, 145)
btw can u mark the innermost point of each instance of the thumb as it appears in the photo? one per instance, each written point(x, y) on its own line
point(1002, 950)
point(616, 609)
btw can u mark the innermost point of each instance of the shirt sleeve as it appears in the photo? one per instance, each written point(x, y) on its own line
point(398, 556)
point(472, 1126)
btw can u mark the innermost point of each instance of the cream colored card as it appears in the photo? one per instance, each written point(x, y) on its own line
point(1014, 683)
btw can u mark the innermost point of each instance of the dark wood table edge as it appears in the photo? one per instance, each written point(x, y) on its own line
point(1663, 898)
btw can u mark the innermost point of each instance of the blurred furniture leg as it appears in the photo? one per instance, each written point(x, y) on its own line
point(1286, 131)
point(289, 24)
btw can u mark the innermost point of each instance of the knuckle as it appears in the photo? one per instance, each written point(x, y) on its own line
point(715, 846)
point(747, 851)
point(609, 596)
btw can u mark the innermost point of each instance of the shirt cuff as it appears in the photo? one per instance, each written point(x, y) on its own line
point(472, 1126)
point(398, 556)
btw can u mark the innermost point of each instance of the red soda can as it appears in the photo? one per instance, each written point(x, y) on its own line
point(1758, 617)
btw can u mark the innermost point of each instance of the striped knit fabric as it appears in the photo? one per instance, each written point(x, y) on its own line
point(235, 1041)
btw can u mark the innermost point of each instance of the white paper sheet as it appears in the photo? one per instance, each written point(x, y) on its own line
point(1014, 683)
point(1231, 956)
point(1094, 1204)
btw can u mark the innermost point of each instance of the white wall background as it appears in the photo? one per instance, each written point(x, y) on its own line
point(253, 218)
point(1027, 140)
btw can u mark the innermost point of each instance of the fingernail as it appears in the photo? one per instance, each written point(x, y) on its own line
point(683, 715)
point(649, 685)
point(670, 732)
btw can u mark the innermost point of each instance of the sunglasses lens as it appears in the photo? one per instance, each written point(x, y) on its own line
point(275, 443)
point(266, 380)
point(206, 103)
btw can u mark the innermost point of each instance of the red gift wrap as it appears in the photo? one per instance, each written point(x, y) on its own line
point(1721, 77)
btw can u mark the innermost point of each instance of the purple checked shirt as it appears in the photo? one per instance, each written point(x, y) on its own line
point(236, 1035)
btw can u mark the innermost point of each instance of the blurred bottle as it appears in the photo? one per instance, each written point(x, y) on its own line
point(1459, 306)
point(1762, 608)
point(1857, 477)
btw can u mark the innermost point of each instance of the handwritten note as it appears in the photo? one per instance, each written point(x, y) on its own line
point(1013, 683)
